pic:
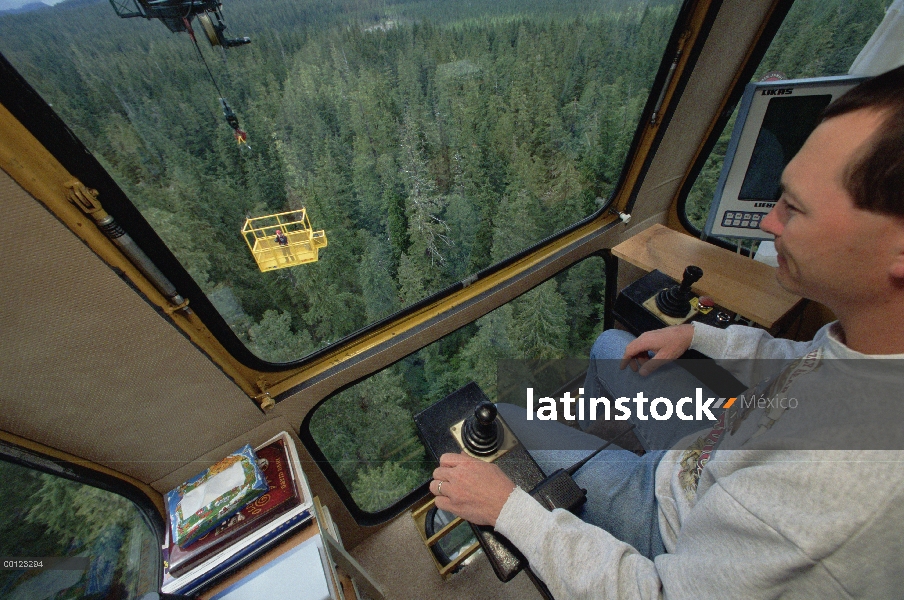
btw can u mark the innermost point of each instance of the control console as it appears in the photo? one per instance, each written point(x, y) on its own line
point(656, 300)
point(467, 421)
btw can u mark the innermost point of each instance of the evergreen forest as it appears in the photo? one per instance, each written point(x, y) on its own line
point(429, 140)
point(49, 516)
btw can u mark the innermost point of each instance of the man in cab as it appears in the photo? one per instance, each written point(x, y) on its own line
point(770, 501)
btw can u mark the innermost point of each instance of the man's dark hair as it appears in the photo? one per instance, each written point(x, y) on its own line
point(876, 179)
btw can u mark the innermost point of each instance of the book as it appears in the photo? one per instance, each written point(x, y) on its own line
point(297, 574)
point(282, 496)
point(214, 495)
point(227, 561)
point(244, 549)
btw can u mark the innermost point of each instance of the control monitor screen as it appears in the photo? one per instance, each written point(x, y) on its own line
point(774, 121)
point(788, 122)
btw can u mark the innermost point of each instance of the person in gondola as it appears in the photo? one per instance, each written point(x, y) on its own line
point(283, 243)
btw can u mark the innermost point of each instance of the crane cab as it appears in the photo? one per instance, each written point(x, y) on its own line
point(480, 216)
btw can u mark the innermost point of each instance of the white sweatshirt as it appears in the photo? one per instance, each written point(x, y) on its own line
point(761, 518)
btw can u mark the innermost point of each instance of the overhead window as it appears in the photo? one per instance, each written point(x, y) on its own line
point(397, 147)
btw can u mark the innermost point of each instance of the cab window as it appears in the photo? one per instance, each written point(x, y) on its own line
point(397, 147)
point(60, 538)
point(367, 434)
point(817, 38)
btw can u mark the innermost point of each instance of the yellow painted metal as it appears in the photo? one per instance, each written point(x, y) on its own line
point(420, 517)
point(303, 243)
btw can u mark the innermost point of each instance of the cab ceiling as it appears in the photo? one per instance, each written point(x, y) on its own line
point(89, 367)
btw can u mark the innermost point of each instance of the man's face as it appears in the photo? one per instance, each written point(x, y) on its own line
point(829, 250)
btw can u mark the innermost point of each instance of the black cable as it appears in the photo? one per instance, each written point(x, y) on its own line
point(191, 34)
point(574, 468)
point(201, 56)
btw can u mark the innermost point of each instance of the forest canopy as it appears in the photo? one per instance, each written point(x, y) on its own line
point(429, 140)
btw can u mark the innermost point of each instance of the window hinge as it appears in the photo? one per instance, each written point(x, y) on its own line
point(263, 400)
point(668, 78)
point(86, 200)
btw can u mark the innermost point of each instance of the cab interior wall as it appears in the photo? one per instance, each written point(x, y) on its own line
point(93, 369)
point(732, 38)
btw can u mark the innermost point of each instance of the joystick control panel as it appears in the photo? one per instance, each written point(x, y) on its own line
point(656, 300)
point(675, 300)
point(481, 434)
point(467, 421)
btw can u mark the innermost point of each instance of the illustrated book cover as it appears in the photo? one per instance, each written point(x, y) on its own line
point(215, 494)
point(252, 543)
point(273, 460)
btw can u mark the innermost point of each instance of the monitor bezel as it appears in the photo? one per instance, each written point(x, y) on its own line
point(749, 123)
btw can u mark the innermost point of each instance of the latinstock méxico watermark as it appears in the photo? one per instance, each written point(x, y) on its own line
point(621, 409)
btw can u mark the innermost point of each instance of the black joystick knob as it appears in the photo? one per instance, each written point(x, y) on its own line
point(481, 434)
point(675, 301)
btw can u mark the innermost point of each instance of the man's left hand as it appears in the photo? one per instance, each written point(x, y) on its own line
point(472, 489)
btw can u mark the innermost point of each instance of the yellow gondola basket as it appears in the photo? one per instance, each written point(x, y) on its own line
point(304, 243)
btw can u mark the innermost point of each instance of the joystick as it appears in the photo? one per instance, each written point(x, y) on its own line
point(484, 433)
point(481, 434)
point(675, 301)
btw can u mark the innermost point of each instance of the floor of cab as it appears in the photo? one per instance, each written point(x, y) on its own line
point(398, 560)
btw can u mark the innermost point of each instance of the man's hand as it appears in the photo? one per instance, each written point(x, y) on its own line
point(665, 344)
point(472, 489)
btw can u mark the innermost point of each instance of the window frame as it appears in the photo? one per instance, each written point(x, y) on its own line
point(367, 519)
point(331, 369)
point(730, 101)
point(264, 381)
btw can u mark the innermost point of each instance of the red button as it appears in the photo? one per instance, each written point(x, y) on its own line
point(706, 302)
